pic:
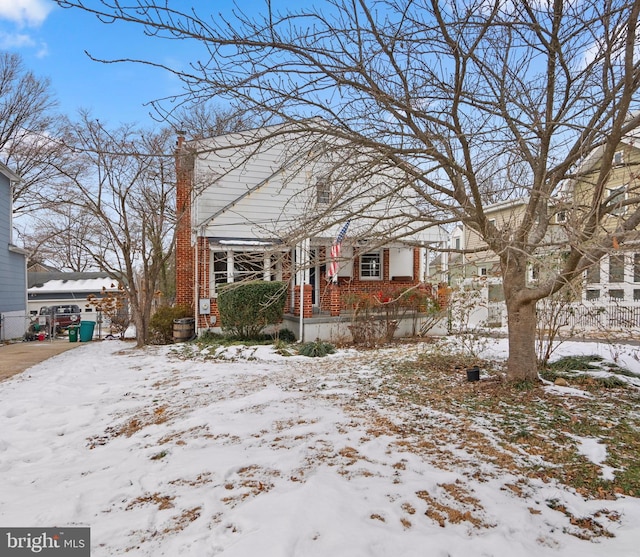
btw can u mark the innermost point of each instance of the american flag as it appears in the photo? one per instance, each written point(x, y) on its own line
point(335, 253)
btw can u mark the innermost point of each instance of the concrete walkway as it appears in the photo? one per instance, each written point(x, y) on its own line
point(16, 357)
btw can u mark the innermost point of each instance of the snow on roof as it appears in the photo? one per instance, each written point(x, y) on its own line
point(79, 285)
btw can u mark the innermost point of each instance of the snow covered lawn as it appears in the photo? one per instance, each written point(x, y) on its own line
point(261, 455)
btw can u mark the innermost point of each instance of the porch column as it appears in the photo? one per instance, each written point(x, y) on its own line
point(266, 270)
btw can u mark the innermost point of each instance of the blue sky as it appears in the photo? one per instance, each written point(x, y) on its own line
point(52, 42)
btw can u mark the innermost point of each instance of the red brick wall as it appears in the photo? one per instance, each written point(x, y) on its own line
point(330, 301)
point(185, 260)
point(306, 301)
point(203, 292)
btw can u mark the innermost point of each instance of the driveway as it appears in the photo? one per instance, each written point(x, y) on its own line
point(15, 358)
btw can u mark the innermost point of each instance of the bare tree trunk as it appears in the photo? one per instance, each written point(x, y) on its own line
point(138, 320)
point(521, 319)
point(521, 364)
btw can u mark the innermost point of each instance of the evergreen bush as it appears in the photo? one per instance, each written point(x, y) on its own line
point(246, 308)
point(316, 349)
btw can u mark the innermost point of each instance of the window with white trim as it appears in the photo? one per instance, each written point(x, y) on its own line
point(236, 266)
point(616, 197)
point(219, 268)
point(592, 294)
point(371, 266)
point(593, 273)
point(616, 268)
point(323, 192)
point(248, 265)
point(618, 158)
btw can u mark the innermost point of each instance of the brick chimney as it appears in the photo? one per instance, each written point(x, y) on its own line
point(185, 256)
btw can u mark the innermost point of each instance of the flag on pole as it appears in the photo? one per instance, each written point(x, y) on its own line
point(335, 253)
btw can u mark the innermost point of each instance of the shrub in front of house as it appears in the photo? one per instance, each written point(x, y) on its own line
point(247, 308)
point(317, 349)
point(161, 323)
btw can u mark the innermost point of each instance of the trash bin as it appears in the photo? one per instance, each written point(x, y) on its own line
point(184, 329)
point(73, 333)
point(86, 330)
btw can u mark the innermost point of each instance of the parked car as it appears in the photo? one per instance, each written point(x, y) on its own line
point(62, 316)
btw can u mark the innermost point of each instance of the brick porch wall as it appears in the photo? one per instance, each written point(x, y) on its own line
point(333, 299)
point(349, 286)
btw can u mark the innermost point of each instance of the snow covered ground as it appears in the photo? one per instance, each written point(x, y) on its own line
point(261, 455)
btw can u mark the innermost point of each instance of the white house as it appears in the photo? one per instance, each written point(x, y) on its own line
point(270, 203)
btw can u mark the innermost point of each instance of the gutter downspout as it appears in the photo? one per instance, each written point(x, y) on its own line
point(196, 291)
point(301, 281)
point(303, 274)
point(301, 311)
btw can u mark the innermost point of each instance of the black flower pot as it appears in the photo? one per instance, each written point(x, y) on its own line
point(473, 374)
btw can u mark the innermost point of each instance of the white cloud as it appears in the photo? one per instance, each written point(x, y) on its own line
point(10, 41)
point(25, 12)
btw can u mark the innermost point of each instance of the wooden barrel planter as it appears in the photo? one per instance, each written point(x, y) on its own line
point(184, 329)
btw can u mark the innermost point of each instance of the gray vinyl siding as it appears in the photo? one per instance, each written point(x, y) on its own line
point(13, 276)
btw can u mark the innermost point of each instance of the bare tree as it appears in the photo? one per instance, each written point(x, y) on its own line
point(57, 235)
point(466, 101)
point(29, 132)
point(203, 120)
point(122, 185)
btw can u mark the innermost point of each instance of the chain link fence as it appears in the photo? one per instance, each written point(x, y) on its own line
point(18, 326)
point(13, 325)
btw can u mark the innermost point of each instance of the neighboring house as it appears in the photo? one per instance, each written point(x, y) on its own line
point(13, 265)
point(39, 267)
point(609, 296)
point(247, 215)
point(68, 288)
point(615, 279)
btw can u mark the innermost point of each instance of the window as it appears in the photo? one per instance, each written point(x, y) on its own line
point(561, 216)
point(535, 271)
point(495, 293)
point(617, 294)
point(636, 267)
point(636, 295)
point(219, 267)
point(482, 271)
point(236, 266)
point(371, 265)
point(615, 198)
point(616, 268)
point(323, 192)
point(618, 158)
point(248, 266)
point(593, 273)
point(593, 294)
point(457, 243)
